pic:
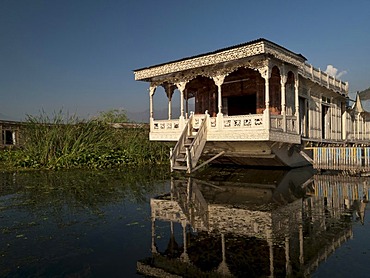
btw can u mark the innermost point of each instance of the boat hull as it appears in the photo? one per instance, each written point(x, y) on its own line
point(269, 154)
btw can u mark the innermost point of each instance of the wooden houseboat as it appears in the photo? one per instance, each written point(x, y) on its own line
point(256, 103)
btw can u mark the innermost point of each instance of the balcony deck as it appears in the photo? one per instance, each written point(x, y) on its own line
point(253, 127)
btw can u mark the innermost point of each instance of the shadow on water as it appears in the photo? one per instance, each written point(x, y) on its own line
point(238, 222)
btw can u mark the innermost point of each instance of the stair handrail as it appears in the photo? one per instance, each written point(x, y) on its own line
point(181, 142)
point(198, 143)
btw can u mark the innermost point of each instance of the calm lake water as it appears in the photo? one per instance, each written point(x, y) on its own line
point(224, 222)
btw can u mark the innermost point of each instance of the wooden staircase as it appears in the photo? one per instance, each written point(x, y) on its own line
point(185, 155)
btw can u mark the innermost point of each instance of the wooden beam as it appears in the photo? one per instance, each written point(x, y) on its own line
point(208, 161)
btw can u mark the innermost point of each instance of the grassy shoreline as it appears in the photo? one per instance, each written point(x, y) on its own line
point(71, 143)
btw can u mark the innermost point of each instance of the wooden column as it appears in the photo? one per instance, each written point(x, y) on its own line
point(169, 89)
point(283, 80)
point(219, 80)
point(181, 87)
point(296, 100)
point(152, 89)
point(266, 74)
point(309, 113)
point(151, 94)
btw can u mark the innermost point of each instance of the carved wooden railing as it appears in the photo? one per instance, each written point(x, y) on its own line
point(291, 124)
point(190, 145)
point(175, 152)
point(323, 79)
point(277, 123)
point(196, 147)
point(243, 121)
point(165, 125)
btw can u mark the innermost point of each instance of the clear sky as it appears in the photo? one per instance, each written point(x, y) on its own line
point(79, 56)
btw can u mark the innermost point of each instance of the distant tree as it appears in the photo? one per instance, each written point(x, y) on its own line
point(365, 95)
point(113, 116)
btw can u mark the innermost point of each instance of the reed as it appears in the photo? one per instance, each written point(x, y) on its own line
point(68, 142)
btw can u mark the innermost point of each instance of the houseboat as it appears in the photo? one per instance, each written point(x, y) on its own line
point(256, 103)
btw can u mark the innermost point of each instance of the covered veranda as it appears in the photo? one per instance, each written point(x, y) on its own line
point(261, 93)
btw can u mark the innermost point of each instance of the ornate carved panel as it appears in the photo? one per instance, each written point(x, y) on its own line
point(224, 58)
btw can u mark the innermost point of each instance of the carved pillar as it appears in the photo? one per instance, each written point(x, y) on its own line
point(169, 89)
point(309, 113)
point(320, 120)
point(219, 80)
point(296, 95)
point(186, 104)
point(283, 80)
point(181, 87)
point(152, 89)
point(266, 74)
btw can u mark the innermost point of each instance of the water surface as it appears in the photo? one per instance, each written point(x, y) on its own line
point(223, 222)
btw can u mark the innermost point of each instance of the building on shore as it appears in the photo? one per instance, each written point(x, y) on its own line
point(10, 133)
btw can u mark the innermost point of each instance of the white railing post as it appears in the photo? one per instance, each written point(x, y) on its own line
point(266, 120)
point(219, 121)
point(151, 124)
point(171, 159)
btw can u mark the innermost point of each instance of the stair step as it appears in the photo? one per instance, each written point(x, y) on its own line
point(183, 168)
point(181, 159)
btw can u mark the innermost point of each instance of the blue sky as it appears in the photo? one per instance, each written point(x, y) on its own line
point(79, 56)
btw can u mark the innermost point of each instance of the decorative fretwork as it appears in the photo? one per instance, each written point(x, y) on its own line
point(213, 122)
point(243, 121)
point(197, 62)
point(166, 125)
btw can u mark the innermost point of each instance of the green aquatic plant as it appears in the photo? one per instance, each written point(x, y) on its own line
point(65, 141)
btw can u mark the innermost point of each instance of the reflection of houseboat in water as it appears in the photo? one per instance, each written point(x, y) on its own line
point(256, 103)
point(278, 224)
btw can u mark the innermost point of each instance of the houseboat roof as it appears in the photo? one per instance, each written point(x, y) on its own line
point(248, 49)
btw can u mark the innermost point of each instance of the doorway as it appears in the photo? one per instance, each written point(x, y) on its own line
point(325, 122)
point(241, 105)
